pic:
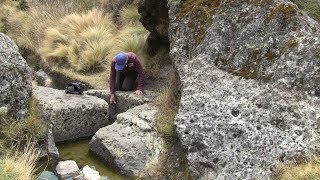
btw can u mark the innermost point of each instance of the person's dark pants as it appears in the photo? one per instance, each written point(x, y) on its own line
point(125, 82)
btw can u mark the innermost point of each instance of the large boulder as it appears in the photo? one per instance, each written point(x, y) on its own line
point(131, 144)
point(250, 81)
point(71, 116)
point(16, 78)
point(154, 17)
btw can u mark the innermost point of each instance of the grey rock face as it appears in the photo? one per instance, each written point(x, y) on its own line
point(236, 128)
point(271, 41)
point(239, 127)
point(42, 78)
point(131, 143)
point(71, 116)
point(15, 79)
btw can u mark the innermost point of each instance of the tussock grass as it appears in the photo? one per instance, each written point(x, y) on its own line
point(72, 38)
point(131, 39)
point(168, 104)
point(81, 41)
point(307, 170)
point(20, 165)
point(129, 16)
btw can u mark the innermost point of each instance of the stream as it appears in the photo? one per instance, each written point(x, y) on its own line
point(79, 152)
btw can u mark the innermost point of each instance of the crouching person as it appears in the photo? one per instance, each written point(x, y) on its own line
point(125, 70)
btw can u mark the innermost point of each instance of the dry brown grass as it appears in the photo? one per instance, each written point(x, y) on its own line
point(21, 164)
point(308, 170)
point(80, 41)
point(168, 104)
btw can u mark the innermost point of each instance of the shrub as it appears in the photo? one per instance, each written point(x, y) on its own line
point(82, 41)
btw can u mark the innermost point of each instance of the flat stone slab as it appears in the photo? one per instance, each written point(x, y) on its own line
point(130, 144)
point(125, 100)
point(71, 116)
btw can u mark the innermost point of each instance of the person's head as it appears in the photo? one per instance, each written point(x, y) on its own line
point(121, 59)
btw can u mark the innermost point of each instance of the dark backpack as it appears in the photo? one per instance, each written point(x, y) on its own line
point(75, 88)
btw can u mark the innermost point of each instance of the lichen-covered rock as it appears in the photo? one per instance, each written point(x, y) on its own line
point(130, 144)
point(16, 77)
point(71, 116)
point(263, 107)
point(269, 40)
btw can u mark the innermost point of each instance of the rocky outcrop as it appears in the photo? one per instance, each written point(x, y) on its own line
point(130, 144)
point(250, 79)
point(268, 40)
point(16, 77)
point(71, 116)
point(154, 17)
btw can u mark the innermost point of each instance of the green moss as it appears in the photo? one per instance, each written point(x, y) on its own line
point(287, 10)
point(312, 7)
point(200, 13)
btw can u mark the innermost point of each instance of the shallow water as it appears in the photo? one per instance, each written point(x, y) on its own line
point(79, 152)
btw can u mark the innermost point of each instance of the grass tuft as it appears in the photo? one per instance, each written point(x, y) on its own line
point(20, 165)
point(129, 16)
point(168, 104)
point(81, 41)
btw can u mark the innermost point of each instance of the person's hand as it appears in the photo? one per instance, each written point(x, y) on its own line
point(138, 92)
point(113, 99)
